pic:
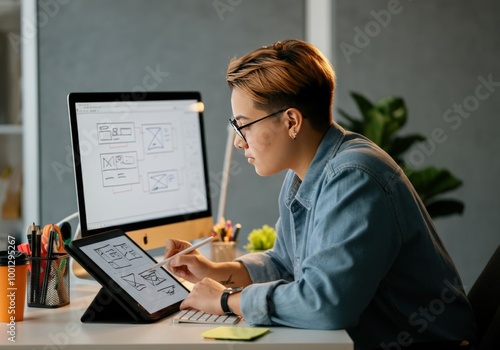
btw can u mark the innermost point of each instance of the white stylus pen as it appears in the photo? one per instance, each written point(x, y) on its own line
point(182, 252)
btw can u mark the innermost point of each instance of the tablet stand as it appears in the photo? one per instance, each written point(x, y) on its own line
point(106, 309)
point(114, 250)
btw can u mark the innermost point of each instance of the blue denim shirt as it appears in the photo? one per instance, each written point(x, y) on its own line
point(356, 250)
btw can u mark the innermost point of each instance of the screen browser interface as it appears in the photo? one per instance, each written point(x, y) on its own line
point(140, 160)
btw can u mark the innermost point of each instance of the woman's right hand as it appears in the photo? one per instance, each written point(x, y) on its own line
point(193, 266)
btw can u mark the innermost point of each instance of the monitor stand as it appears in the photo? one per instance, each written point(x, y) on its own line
point(80, 273)
point(76, 270)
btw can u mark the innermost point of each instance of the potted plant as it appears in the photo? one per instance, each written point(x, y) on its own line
point(381, 122)
point(261, 239)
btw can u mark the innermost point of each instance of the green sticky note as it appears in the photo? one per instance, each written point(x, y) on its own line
point(235, 333)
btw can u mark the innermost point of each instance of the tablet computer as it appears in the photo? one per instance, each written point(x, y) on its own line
point(130, 292)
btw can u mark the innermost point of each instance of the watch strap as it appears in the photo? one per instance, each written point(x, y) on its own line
point(224, 299)
point(223, 303)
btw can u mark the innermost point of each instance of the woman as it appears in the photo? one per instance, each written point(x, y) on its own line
point(356, 249)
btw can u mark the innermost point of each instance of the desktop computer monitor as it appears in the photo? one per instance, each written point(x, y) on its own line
point(140, 165)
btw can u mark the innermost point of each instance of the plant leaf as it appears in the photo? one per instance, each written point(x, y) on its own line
point(395, 113)
point(402, 144)
point(430, 182)
point(395, 109)
point(355, 124)
point(445, 207)
point(380, 122)
point(363, 104)
point(374, 127)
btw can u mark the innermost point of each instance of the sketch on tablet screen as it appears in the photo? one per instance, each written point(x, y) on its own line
point(131, 279)
point(127, 265)
point(152, 277)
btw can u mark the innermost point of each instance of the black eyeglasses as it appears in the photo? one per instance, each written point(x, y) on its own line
point(237, 128)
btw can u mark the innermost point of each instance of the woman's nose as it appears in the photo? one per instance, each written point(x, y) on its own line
point(239, 142)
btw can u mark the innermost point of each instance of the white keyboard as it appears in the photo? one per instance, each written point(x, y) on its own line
point(195, 316)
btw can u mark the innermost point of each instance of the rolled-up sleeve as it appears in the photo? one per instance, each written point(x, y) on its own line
point(266, 273)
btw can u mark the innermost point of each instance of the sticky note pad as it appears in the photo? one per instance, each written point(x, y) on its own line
point(235, 333)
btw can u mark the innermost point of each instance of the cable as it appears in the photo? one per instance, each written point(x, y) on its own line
point(76, 270)
point(67, 218)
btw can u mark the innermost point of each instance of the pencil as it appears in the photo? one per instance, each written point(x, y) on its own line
point(182, 252)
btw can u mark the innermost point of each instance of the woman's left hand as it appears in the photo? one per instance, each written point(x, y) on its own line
point(205, 297)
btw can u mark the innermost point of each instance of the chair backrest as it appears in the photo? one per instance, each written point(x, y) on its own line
point(484, 298)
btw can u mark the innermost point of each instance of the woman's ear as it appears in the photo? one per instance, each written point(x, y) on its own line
point(294, 120)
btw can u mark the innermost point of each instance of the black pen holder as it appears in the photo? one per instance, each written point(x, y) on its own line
point(48, 281)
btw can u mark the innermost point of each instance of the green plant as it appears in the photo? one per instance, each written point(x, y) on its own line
point(261, 239)
point(380, 122)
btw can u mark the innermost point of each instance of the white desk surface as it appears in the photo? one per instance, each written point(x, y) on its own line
point(55, 329)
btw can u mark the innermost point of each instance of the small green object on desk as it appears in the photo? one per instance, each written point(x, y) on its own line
point(261, 239)
point(235, 333)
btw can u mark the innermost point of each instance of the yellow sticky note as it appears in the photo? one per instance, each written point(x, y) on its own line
point(235, 333)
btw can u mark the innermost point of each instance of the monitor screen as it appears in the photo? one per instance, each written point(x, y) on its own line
point(140, 165)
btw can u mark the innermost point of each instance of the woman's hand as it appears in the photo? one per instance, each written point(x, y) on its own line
point(205, 297)
point(193, 266)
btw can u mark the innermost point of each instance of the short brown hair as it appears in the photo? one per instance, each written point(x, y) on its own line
point(290, 73)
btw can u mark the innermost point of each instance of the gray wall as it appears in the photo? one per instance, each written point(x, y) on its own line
point(111, 45)
point(432, 53)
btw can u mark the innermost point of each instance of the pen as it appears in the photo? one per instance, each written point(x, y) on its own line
point(237, 229)
point(182, 252)
point(38, 264)
point(46, 273)
point(32, 239)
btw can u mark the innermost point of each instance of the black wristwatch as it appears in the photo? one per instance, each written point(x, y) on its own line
point(225, 295)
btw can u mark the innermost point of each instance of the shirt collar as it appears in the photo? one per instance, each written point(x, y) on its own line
point(327, 149)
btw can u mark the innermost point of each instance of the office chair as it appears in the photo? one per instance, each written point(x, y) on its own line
point(484, 298)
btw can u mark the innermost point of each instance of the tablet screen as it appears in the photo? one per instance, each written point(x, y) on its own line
point(127, 265)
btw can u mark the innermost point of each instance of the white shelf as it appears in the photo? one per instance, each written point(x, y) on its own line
point(11, 129)
point(9, 15)
point(12, 140)
point(10, 226)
